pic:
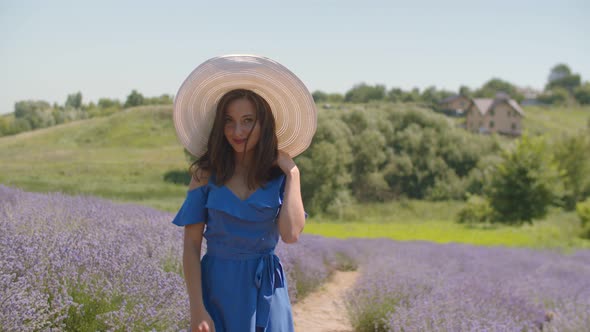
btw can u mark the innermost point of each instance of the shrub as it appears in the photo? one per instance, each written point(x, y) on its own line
point(525, 183)
point(582, 94)
point(573, 160)
point(583, 209)
point(477, 210)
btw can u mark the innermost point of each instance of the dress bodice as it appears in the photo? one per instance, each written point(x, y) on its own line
point(246, 225)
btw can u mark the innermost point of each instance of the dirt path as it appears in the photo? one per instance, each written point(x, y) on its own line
point(324, 310)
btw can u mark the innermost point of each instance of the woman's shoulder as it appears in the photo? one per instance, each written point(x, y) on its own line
point(199, 178)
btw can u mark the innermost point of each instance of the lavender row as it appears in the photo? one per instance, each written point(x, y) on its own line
point(421, 286)
point(84, 263)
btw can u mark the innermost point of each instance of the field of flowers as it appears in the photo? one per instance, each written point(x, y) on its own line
point(85, 264)
point(422, 286)
point(80, 263)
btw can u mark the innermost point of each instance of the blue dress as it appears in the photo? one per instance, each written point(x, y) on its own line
point(244, 286)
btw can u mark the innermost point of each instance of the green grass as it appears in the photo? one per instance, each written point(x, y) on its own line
point(399, 212)
point(553, 122)
point(559, 230)
point(85, 318)
point(124, 157)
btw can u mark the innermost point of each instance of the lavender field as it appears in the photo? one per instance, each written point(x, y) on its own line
point(85, 264)
point(420, 286)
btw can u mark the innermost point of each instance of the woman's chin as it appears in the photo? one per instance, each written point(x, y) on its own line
point(238, 149)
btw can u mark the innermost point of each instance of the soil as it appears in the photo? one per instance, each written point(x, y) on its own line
point(324, 309)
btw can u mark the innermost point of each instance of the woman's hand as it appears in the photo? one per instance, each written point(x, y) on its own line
point(285, 162)
point(202, 323)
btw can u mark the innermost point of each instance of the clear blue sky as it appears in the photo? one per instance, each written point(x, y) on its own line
point(49, 49)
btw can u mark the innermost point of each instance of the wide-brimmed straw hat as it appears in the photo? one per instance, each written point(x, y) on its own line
point(291, 103)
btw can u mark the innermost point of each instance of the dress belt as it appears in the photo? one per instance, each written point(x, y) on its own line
point(268, 277)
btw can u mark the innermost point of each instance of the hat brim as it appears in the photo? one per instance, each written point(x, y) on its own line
point(291, 103)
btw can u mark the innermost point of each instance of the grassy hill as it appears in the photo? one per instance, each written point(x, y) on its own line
point(122, 157)
point(555, 121)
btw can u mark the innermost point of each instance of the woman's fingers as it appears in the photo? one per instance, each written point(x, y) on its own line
point(203, 327)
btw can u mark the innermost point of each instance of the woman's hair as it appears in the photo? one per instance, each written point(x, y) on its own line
point(219, 159)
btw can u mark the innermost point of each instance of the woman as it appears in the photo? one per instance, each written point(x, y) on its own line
point(244, 189)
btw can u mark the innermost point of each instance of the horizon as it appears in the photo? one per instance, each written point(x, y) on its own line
point(107, 50)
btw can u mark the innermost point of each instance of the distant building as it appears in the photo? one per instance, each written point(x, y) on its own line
point(501, 115)
point(530, 96)
point(454, 105)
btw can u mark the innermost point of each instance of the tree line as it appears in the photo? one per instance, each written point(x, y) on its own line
point(35, 114)
point(563, 87)
point(387, 152)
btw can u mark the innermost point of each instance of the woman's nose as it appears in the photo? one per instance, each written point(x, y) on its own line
point(240, 129)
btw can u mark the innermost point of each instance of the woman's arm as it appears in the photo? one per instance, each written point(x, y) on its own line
point(292, 215)
point(191, 263)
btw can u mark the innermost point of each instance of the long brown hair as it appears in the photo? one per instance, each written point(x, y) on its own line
point(219, 159)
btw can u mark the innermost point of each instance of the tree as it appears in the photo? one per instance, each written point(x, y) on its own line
point(494, 86)
point(362, 93)
point(465, 91)
point(559, 71)
point(26, 108)
point(430, 95)
point(357, 121)
point(370, 153)
point(326, 166)
point(36, 112)
point(411, 96)
point(525, 183)
point(19, 125)
point(582, 94)
point(4, 125)
point(573, 159)
point(134, 99)
point(583, 209)
point(319, 96)
point(395, 95)
point(335, 97)
point(74, 100)
point(161, 100)
point(107, 103)
point(555, 96)
point(562, 76)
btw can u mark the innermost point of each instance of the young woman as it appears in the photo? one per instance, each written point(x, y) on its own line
point(247, 193)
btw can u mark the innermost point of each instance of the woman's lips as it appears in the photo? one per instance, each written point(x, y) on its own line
point(239, 141)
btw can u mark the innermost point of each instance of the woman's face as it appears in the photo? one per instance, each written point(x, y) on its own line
point(240, 119)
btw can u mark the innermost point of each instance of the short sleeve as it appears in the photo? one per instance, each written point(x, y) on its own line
point(282, 191)
point(193, 210)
